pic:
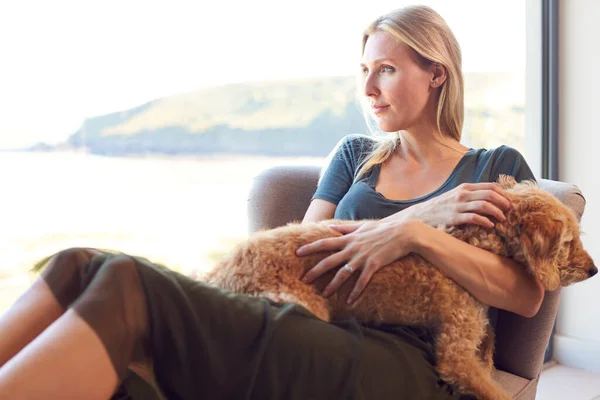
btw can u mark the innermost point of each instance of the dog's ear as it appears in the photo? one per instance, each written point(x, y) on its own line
point(506, 181)
point(541, 239)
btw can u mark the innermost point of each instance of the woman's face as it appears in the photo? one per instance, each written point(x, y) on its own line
point(397, 84)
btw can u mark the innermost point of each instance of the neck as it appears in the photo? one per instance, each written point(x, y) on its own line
point(427, 146)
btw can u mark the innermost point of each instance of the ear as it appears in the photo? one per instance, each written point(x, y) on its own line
point(438, 75)
point(540, 240)
point(506, 181)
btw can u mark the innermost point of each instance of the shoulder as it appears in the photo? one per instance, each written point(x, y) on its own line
point(354, 146)
point(337, 175)
point(503, 160)
point(507, 152)
point(357, 141)
point(499, 155)
point(500, 151)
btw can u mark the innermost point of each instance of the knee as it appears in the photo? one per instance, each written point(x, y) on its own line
point(67, 264)
point(118, 268)
point(73, 258)
point(68, 272)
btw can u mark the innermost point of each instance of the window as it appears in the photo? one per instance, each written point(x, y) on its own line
point(139, 127)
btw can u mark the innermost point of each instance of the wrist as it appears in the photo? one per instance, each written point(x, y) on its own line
point(402, 216)
point(413, 232)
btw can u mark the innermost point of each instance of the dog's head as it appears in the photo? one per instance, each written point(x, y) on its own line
point(544, 234)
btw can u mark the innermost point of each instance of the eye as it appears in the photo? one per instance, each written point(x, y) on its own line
point(387, 69)
point(364, 71)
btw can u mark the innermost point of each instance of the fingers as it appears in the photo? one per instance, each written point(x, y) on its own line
point(340, 277)
point(483, 186)
point(485, 199)
point(492, 196)
point(333, 261)
point(472, 218)
point(363, 280)
point(346, 228)
point(484, 208)
point(328, 244)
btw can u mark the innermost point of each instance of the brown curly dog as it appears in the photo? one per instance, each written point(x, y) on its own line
point(540, 232)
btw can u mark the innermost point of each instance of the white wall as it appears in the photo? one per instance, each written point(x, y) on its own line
point(577, 342)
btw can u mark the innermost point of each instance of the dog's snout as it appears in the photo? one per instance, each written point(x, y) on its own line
point(593, 271)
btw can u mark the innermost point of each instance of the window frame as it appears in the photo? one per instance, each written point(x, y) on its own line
point(541, 100)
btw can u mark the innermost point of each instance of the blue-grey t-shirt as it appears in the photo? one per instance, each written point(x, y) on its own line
point(360, 200)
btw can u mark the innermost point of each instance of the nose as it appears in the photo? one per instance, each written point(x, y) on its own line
point(593, 271)
point(369, 86)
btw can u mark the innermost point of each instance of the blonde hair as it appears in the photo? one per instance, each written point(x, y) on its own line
point(425, 31)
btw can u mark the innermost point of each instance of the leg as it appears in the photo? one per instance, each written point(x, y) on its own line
point(92, 344)
point(114, 306)
point(194, 328)
point(291, 291)
point(304, 296)
point(67, 361)
point(33, 312)
point(283, 288)
point(42, 303)
point(309, 359)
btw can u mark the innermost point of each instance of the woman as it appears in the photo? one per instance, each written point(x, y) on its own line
point(419, 176)
point(75, 332)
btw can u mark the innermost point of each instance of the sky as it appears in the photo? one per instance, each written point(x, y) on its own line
point(63, 61)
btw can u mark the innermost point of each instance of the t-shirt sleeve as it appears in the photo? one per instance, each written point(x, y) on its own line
point(510, 162)
point(338, 173)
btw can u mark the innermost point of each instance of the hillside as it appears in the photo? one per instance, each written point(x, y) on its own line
point(301, 117)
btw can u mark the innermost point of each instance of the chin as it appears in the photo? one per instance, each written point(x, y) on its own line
point(389, 128)
point(385, 125)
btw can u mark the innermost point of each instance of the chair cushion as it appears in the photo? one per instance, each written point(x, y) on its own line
point(519, 388)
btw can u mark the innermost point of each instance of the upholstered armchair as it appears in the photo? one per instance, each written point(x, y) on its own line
point(282, 194)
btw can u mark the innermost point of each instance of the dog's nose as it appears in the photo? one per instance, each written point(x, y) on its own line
point(593, 271)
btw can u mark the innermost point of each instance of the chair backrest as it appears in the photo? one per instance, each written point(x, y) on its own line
point(282, 194)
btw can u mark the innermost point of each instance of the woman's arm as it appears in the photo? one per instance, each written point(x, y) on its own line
point(319, 210)
point(368, 247)
point(494, 280)
point(469, 203)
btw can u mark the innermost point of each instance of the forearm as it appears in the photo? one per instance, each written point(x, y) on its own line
point(494, 280)
point(403, 215)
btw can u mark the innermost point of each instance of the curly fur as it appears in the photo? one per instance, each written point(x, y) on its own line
point(539, 232)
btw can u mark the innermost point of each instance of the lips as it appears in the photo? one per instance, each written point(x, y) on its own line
point(379, 108)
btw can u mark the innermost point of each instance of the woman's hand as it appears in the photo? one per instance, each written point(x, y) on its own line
point(469, 203)
point(365, 248)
